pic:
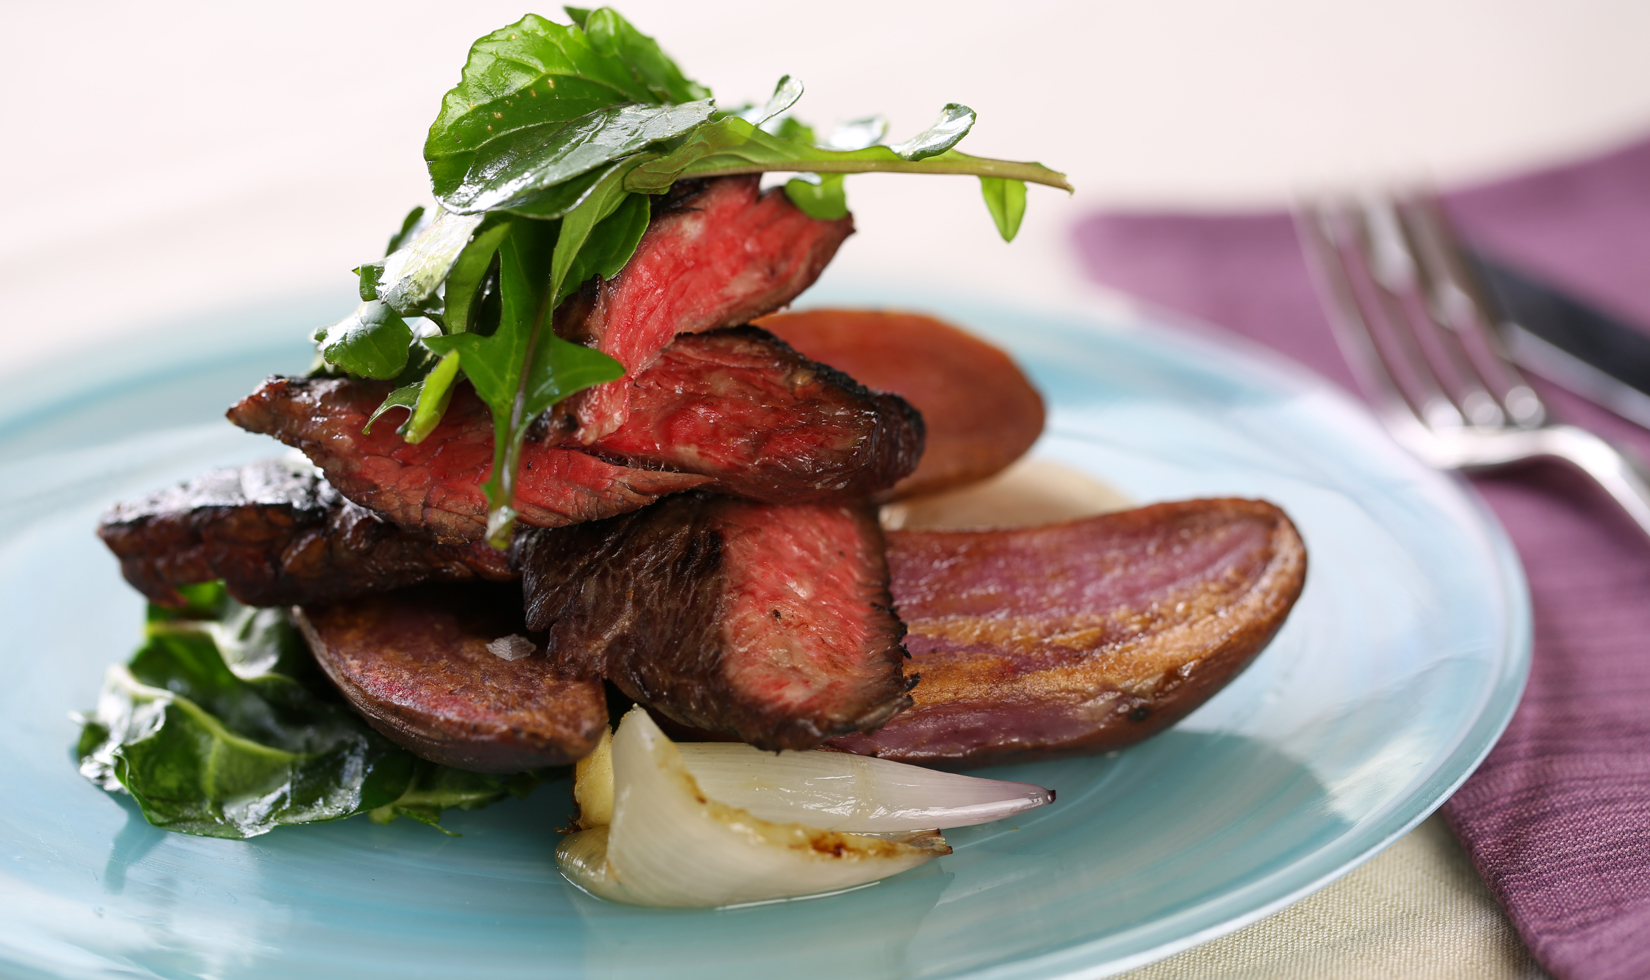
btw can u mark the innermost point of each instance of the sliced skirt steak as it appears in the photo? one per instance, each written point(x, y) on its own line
point(448, 673)
point(719, 254)
point(741, 406)
point(769, 622)
point(276, 536)
point(734, 410)
point(980, 411)
point(1084, 636)
point(436, 484)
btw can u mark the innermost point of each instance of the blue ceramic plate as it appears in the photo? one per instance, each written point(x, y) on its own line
point(1393, 677)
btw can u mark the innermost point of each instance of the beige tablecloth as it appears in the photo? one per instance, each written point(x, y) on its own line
point(1416, 911)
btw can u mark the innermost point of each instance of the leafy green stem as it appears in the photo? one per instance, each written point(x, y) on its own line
point(509, 437)
point(949, 164)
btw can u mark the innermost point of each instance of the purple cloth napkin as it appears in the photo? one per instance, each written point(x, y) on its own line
point(1557, 820)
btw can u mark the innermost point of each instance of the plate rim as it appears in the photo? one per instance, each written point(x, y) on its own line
point(1123, 313)
point(192, 344)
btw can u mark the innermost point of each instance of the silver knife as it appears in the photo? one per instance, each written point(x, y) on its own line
point(1568, 342)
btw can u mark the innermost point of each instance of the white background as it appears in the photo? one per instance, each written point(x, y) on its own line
point(165, 158)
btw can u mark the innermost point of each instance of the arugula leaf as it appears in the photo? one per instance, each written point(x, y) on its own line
point(372, 341)
point(367, 279)
point(579, 224)
point(467, 275)
point(511, 170)
point(411, 225)
point(494, 363)
point(954, 123)
point(540, 103)
point(435, 392)
point(609, 245)
point(213, 732)
point(733, 146)
point(791, 128)
point(785, 94)
point(554, 202)
point(411, 274)
point(564, 127)
point(425, 399)
point(428, 395)
point(522, 368)
point(819, 196)
point(1006, 200)
point(527, 74)
point(405, 397)
point(616, 37)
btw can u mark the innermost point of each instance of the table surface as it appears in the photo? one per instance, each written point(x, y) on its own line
point(175, 158)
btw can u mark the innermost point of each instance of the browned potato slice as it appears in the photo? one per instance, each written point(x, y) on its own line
point(1083, 636)
point(416, 663)
point(980, 411)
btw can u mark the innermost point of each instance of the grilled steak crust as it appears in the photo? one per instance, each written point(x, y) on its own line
point(772, 623)
point(720, 254)
point(735, 410)
point(276, 537)
point(416, 665)
point(436, 484)
point(1084, 636)
point(742, 406)
point(981, 412)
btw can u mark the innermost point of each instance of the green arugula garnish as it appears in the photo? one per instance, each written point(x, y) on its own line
point(217, 727)
point(542, 159)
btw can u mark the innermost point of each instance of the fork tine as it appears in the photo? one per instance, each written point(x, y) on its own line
point(1441, 307)
point(1463, 305)
point(1314, 225)
point(1391, 276)
point(1441, 283)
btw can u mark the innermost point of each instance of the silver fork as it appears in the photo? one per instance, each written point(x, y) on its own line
point(1420, 333)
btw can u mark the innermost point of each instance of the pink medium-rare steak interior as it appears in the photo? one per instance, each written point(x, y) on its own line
point(741, 406)
point(736, 409)
point(793, 618)
point(1082, 636)
point(719, 254)
point(436, 485)
point(769, 622)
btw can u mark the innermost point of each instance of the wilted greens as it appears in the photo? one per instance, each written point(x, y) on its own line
point(219, 726)
point(542, 159)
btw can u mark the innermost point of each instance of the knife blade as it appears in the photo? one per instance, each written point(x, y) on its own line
point(1569, 342)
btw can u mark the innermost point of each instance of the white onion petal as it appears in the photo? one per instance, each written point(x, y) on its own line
point(670, 844)
point(593, 784)
point(838, 791)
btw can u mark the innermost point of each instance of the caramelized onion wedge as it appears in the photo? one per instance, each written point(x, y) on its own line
point(837, 791)
point(671, 845)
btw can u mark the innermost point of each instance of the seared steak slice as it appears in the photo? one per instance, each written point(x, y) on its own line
point(276, 537)
point(719, 255)
point(980, 411)
point(418, 666)
point(769, 622)
point(741, 406)
point(1084, 636)
point(436, 484)
point(735, 410)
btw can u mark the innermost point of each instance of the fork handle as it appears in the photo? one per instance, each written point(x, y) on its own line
point(1619, 471)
